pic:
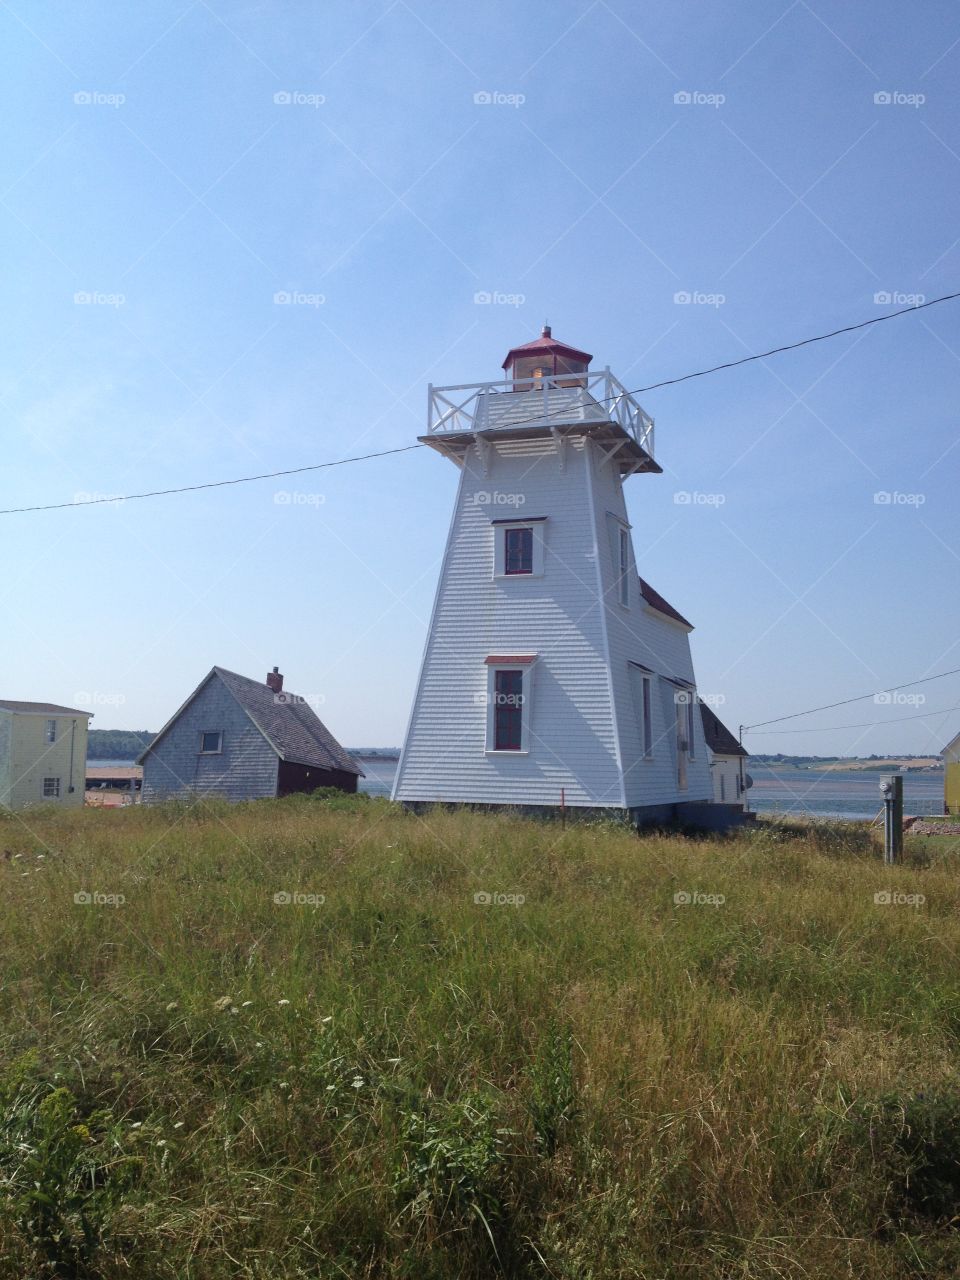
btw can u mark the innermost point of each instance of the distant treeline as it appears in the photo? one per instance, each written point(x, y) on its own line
point(782, 759)
point(117, 744)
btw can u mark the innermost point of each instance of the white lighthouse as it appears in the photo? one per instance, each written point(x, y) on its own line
point(553, 673)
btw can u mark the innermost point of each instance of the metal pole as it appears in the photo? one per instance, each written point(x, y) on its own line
point(891, 788)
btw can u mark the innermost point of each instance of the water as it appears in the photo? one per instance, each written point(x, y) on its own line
point(842, 793)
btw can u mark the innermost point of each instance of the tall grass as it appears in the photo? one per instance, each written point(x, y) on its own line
point(675, 1057)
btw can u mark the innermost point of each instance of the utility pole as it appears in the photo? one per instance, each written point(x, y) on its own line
point(891, 789)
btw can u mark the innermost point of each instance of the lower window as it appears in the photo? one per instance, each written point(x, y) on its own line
point(507, 710)
point(51, 788)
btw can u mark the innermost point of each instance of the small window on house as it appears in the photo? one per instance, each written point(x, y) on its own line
point(691, 706)
point(623, 565)
point(51, 788)
point(211, 742)
point(51, 731)
point(647, 718)
point(518, 551)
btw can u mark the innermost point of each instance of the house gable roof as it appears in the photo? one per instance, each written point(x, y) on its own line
point(656, 601)
point(717, 736)
point(291, 726)
point(40, 708)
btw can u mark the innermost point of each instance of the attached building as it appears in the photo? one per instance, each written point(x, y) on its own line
point(43, 754)
point(727, 758)
point(951, 775)
point(244, 740)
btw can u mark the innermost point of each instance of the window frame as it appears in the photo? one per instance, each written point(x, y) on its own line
point(524, 668)
point(206, 733)
point(501, 529)
point(50, 731)
point(51, 788)
point(623, 566)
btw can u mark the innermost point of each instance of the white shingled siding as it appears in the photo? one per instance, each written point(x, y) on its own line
point(727, 769)
point(642, 635)
point(557, 616)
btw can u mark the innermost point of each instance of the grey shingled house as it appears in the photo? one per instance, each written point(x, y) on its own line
point(244, 740)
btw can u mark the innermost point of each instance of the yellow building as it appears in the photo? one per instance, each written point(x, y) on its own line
point(951, 775)
point(43, 754)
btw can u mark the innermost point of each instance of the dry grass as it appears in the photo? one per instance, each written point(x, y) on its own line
point(202, 1083)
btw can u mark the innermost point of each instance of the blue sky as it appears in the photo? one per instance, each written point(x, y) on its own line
point(148, 166)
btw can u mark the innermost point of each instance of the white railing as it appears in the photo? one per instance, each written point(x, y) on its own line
point(551, 401)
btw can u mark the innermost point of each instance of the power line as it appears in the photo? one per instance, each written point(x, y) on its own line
point(829, 706)
point(654, 386)
point(869, 724)
point(212, 484)
point(733, 364)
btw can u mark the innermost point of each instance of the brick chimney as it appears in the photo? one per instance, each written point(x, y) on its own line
point(275, 680)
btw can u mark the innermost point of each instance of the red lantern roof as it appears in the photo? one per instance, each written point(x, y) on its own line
point(546, 345)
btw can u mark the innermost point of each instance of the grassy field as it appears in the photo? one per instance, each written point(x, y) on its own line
point(674, 1057)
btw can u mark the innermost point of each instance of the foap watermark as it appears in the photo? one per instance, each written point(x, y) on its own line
point(282, 699)
point(894, 498)
point(294, 298)
point(713, 699)
point(894, 698)
point(94, 698)
point(896, 98)
point(295, 898)
point(95, 98)
point(297, 98)
point(693, 498)
point(697, 98)
point(488, 498)
point(694, 898)
point(488, 699)
point(696, 298)
point(495, 98)
point(897, 298)
point(298, 498)
point(484, 899)
point(105, 499)
point(92, 298)
point(496, 298)
point(893, 898)
point(97, 899)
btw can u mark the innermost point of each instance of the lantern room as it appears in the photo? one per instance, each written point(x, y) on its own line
point(528, 365)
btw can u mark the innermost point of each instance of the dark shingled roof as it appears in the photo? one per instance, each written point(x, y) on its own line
point(656, 601)
point(41, 708)
point(294, 728)
point(718, 737)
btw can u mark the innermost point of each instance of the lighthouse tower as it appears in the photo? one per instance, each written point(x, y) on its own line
point(552, 673)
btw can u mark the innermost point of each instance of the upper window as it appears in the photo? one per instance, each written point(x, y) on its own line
point(51, 788)
point(51, 731)
point(211, 742)
point(518, 550)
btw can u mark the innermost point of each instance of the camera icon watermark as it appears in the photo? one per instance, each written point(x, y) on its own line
point(495, 298)
point(298, 899)
point(294, 298)
point(894, 498)
point(894, 698)
point(92, 298)
point(696, 298)
point(295, 98)
point(694, 898)
point(893, 898)
point(83, 898)
point(693, 498)
point(895, 98)
point(297, 498)
point(486, 498)
point(897, 298)
point(94, 98)
point(483, 899)
point(697, 98)
point(88, 698)
point(494, 98)
point(313, 700)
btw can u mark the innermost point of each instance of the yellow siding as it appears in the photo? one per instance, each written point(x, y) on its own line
point(951, 787)
point(30, 758)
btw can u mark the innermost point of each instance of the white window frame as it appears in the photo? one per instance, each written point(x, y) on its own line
point(623, 566)
point(644, 711)
point(526, 668)
point(500, 549)
point(54, 792)
point(219, 748)
point(50, 731)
